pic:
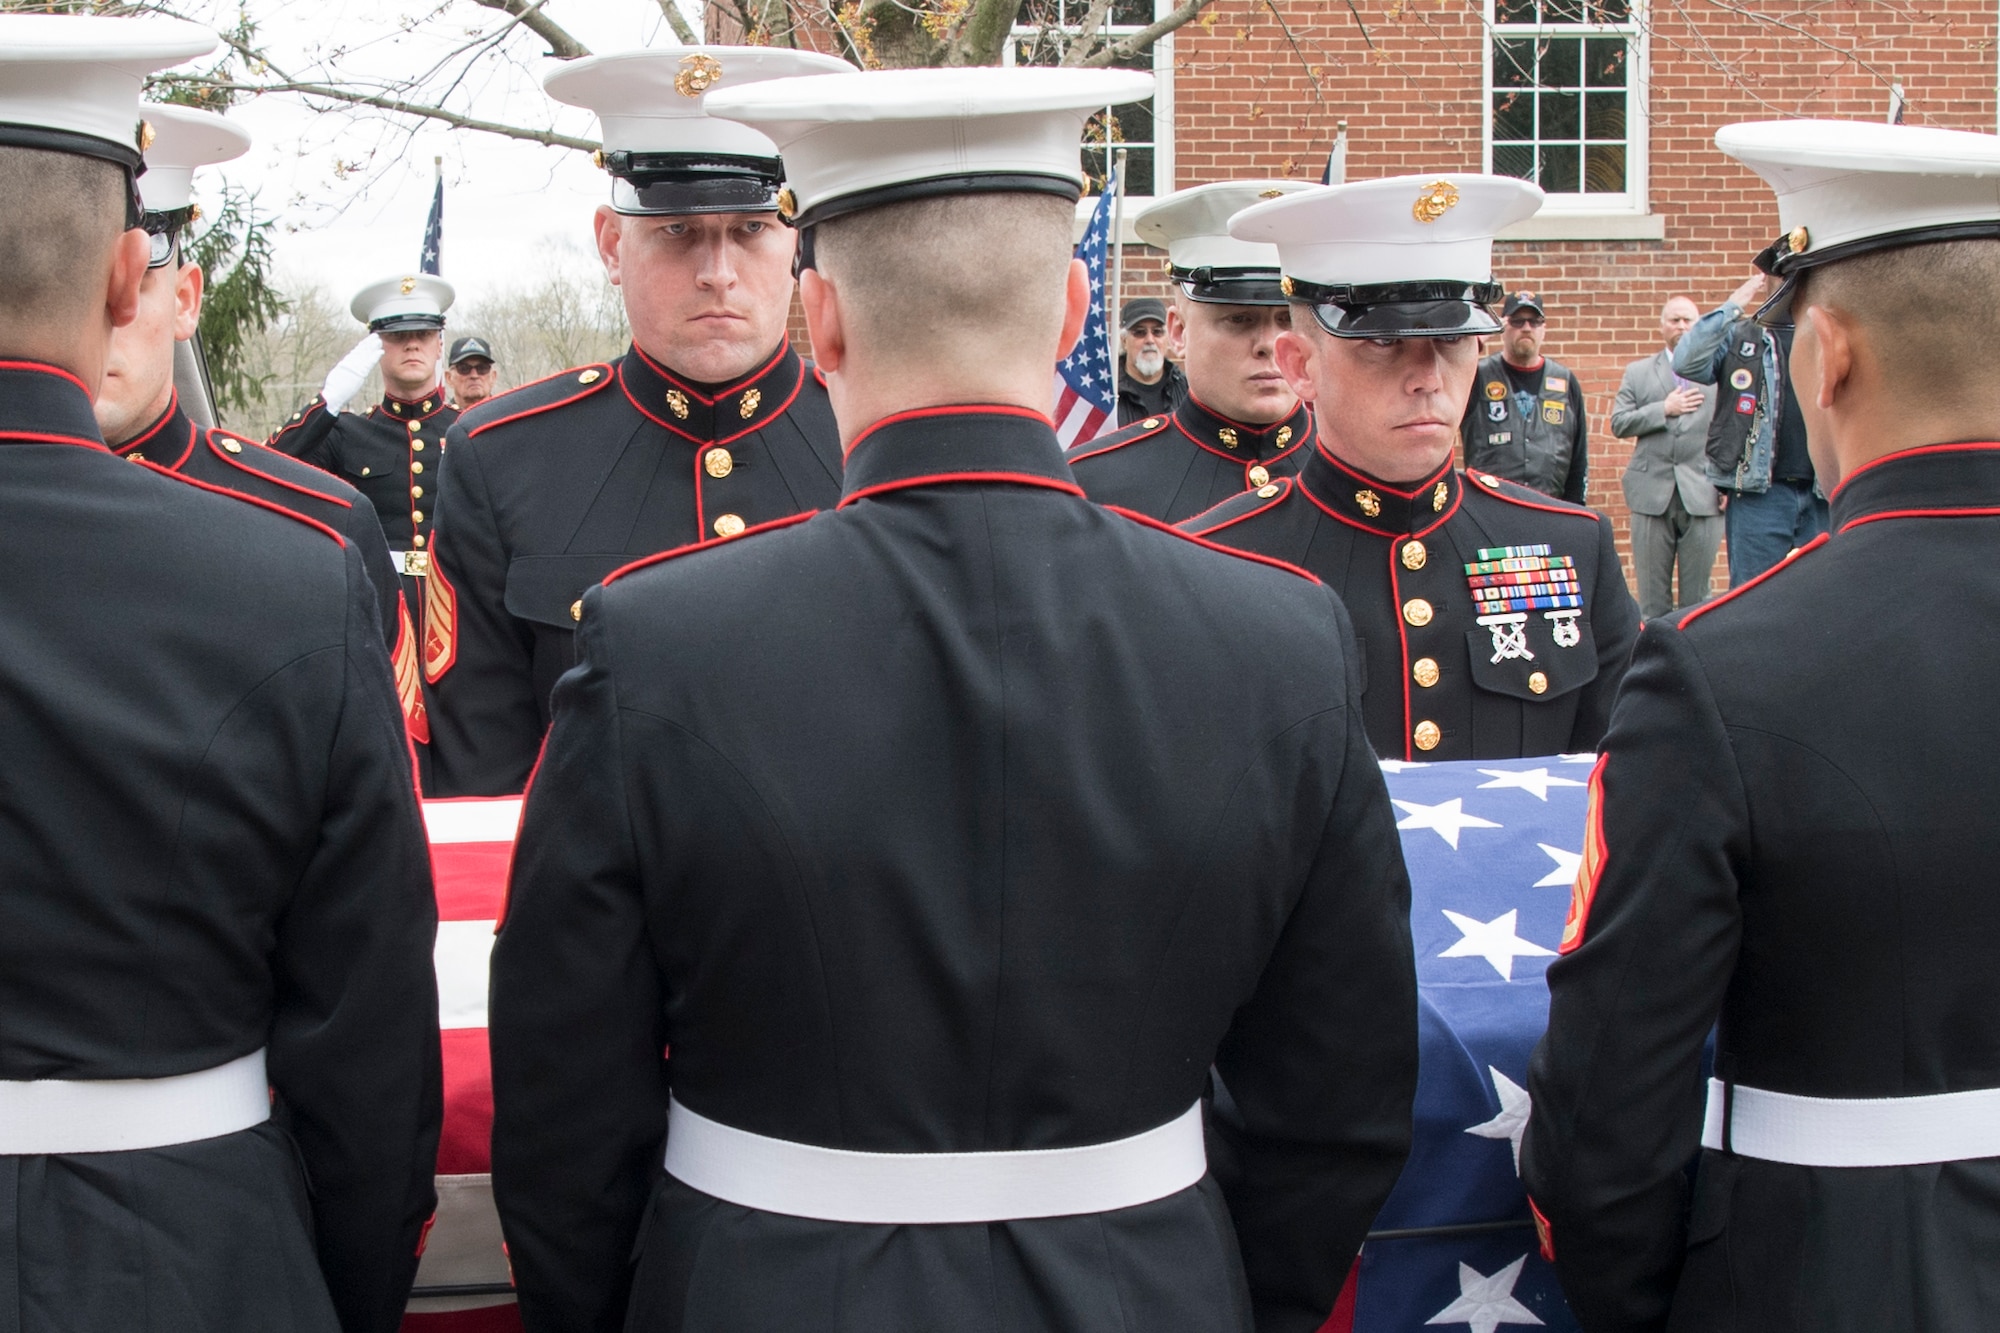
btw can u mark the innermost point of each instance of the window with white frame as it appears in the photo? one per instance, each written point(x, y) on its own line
point(1044, 32)
point(1566, 101)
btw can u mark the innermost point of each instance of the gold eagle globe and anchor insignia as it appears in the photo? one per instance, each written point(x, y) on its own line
point(747, 405)
point(788, 204)
point(698, 74)
point(1369, 503)
point(677, 403)
point(1797, 240)
point(408, 285)
point(1438, 198)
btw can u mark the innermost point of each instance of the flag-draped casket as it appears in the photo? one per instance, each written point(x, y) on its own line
point(1492, 848)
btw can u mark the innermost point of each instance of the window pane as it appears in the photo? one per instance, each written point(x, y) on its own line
point(1513, 11)
point(1604, 62)
point(1604, 168)
point(1139, 171)
point(1559, 169)
point(1134, 13)
point(1560, 56)
point(1559, 116)
point(1135, 123)
point(1513, 62)
point(1514, 160)
point(1605, 116)
point(1513, 116)
point(1562, 11)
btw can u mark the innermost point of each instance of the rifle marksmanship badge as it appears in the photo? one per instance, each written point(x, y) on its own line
point(1508, 583)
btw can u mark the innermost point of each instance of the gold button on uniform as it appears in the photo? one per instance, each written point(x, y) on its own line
point(417, 540)
point(1266, 492)
point(416, 516)
point(1417, 611)
point(1425, 669)
point(416, 467)
point(418, 445)
point(589, 377)
point(728, 525)
point(718, 463)
point(1150, 423)
point(417, 492)
point(1259, 475)
point(136, 456)
point(1427, 735)
point(1414, 555)
point(416, 427)
point(576, 609)
point(232, 447)
point(364, 471)
point(1538, 683)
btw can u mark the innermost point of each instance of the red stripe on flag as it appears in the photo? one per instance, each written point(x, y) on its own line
point(466, 1146)
point(471, 879)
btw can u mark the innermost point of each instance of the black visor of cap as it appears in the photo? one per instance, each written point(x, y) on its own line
point(163, 230)
point(937, 187)
point(1438, 309)
point(84, 145)
point(405, 323)
point(670, 184)
point(1780, 260)
point(1229, 286)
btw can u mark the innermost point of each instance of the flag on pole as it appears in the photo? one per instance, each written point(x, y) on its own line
point(434, 229)
point(1086, 401)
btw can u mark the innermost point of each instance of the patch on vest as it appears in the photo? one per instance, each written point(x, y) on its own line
point(1746, 404)
point(1497, 437)
point(1496, 411)
point(1747, 349)
point(1739, 379)
point(1552, 412)
point(1495, 390)
point(1556, 386)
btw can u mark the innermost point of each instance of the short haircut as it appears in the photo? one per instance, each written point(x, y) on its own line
point(956, 280)
point(63, 217)
point(1929, 310)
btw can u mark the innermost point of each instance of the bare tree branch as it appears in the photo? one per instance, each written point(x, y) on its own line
point(530, 16)
point(385, 103)
point(1137, 43)
point(1093, 19)
point(1845, 53)
point(678, 22)
point(1304, 64)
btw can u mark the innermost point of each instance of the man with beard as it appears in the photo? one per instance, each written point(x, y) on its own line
point(1527, 423)
point(1239, 424)
point(1494, 622)
point(1149, 385)
point(710, 423)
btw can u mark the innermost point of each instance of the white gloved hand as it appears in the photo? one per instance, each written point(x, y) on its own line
point(345, 380)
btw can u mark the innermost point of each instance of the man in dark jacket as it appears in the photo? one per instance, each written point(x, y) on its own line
point(1526, 420)
point(1149, 385)
point(967, 845)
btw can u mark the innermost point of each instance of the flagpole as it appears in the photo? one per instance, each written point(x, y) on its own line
point(1111, 310)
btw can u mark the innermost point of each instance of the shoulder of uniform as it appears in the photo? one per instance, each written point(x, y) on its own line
point(537, 396)
point(697, 548)
point(1747, 590)
point(1207, 545)
point(1239, 508)
point(1526, 497)
point(281, 468)
point(297, 418)
point(1118, 439)
point(253, 500)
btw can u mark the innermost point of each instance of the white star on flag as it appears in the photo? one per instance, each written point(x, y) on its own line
point(1564, 874)
point(1495, 941)
point(1398, 765)
point(1512, 1122)
point(1486, 1302)
point(1535, 781)
point(1445, 819)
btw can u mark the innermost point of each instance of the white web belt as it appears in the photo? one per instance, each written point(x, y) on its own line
point(836, 1185)
point(53, 1115)
point(1854, 1131)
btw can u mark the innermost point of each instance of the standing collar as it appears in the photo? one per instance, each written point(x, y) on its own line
point(41, 402)
point(168, 441)
point(974, 442)
point(1359, 500)
point(706, 413)
point(1234, 439)
point(1931, 481)
point(418, 409)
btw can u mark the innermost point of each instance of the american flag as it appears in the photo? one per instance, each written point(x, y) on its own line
point(1086, 404)
point(434, 230)
point(1492, 847)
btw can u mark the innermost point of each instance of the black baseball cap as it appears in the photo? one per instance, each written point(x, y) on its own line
point(1142, 307)
point(466, 348)
point(1521, 301)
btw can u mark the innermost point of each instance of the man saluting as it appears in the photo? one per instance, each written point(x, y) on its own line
point(949, 839)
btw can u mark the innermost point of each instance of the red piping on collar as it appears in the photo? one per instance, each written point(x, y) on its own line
point(659, 557)
point(47, 369)
point(1739, 590)
point(1458, 498)
point(1427, 483)
point(154, 431)
point(610, 374)
point(1284, 485)
point(1964, 447)
point(672, 429)
point(437, 393)
point(240, 462)
point(44, 437)
point(947, 478)
point(784, 345)
point(1988, 511)
point(1577, 511)
point(953, 410)
point(1234, 424)
point(296, 517)
point(1255, 559)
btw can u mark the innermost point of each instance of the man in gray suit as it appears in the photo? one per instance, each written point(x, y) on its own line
point(1676, 513)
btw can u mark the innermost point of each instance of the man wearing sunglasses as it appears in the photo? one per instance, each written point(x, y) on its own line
point(468, 373)
point(1526, 421)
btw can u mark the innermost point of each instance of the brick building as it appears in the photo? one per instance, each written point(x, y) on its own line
point(1613, 104)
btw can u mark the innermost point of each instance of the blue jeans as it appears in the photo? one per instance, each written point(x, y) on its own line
point(1762, 528)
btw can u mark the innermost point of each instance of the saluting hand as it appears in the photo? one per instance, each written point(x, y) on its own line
point(1752, 287)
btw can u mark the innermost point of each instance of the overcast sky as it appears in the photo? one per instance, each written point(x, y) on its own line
point(352, 189)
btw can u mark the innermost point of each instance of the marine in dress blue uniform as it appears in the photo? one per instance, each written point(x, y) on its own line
point(554, 485)
point(1791, 843)
point(964, 829)
point(1171, 466)
point(219, 1088)
point(1494, 621)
